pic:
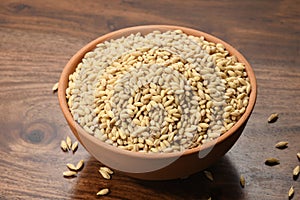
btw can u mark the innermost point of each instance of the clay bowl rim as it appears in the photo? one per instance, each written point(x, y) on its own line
point(73, 62)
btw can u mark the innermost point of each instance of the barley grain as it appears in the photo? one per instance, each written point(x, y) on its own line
point(296, 170)
point(107, 170)
point(103, 192)
point(74, 146)
point(242, 181)
point(63, 145)
point(291, 192)
point(273, 117)
point(104, 174)
point(208, 175)
point(55, 87)
point(272, 161)
point(69, 173)
point(281, 145)
point(79, 165)
point(69, 142)
point(71, 167)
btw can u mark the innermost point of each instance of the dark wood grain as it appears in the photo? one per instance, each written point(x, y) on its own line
point(37, 38)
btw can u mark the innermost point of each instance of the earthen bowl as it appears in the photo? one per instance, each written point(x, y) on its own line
point(155, 166)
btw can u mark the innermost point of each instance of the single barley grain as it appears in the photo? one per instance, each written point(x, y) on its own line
point(242, 181)
point(55, 87)
point(69, 142)
point(74, 146)
point(272, 161)
point(79, 165)
point(273, 117)
point(69, 173)
point(208, 175)
point(291, 192)
point(103, 192)
point(71, 167)
point(63, 145)
point(281, 145)
point(296, 170)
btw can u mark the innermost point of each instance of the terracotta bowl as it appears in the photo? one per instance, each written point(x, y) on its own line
point(155, 166)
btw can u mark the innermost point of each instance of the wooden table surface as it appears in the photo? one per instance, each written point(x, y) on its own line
point(37, 38)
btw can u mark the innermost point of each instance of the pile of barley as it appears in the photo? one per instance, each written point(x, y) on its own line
point(160, 92)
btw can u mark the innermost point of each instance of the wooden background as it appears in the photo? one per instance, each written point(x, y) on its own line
point(37, 38)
